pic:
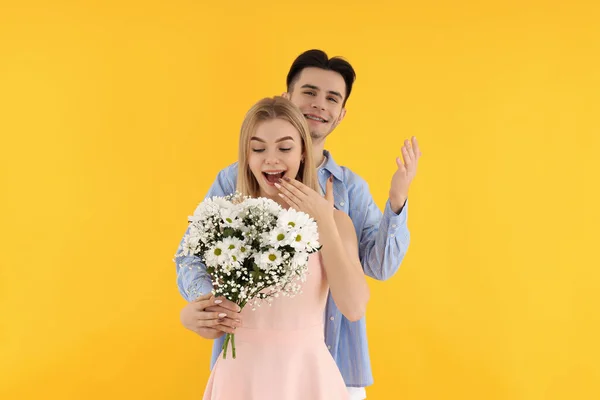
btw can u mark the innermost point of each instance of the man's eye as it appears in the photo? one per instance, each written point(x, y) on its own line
point(310, 93)
point(333, 99)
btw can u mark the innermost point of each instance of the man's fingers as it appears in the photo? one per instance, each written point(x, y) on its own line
point(408, 160)
point(411, 151)
point(221, 310)
point(214, 318)
point(400, 164)
point(407, 153)
point(229, 323)
point(203, 297)
point(225, 328)
point(202, 305)
point(416, 148)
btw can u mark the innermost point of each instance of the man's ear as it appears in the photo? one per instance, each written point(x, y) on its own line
point(286, 95)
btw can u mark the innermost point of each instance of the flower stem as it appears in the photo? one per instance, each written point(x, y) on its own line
point(233, 344)
point(225, 345)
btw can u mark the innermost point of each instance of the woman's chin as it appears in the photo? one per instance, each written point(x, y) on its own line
point(269, 191)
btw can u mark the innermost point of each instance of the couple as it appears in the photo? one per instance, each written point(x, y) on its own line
point(313, 345)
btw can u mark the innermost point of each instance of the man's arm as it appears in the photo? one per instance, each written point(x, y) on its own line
point(204, 314)
point(383, 239)
point(192, 279)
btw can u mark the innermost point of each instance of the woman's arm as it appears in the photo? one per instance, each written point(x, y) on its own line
point(345, 275)
point(337, 236)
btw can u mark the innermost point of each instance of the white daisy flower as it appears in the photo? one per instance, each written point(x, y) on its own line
point(292, 219)
point(230, 218)
point(299, 259)
point(278, 237)
point(216, 255)
point(236, 249)
point(190, 245)
point(269, 260)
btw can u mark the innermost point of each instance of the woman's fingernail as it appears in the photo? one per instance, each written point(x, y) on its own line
point(222, 315)
point(277, 185)
point(286, 178)
point(218, 301)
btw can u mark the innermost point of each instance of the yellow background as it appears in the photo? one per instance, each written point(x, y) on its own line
point(115, 118)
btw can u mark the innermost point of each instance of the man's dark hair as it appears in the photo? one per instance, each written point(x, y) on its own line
point(318, 59)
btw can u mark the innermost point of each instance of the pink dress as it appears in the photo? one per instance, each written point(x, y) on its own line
point(280, 350)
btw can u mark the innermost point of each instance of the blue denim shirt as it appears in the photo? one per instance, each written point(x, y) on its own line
point(383, 240)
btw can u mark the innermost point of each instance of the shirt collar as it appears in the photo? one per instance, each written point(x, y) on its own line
point(331, 166)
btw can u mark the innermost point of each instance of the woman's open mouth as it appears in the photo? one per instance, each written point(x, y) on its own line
point(273, 176)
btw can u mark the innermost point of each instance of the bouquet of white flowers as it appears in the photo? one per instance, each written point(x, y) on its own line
point(252, 248)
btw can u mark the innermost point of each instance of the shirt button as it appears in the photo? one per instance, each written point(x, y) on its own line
point(329, 347)
point(342, 203)
point(392, 235)
point(393, 225)
point(322, 171)
point(331, 318)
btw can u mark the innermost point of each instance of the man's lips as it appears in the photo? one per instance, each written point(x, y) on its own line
point(315, 118)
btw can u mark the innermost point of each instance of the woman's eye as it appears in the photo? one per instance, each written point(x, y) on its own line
point(288, 149)
point(258, 150)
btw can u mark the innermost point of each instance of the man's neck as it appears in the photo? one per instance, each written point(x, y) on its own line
point(318, 152)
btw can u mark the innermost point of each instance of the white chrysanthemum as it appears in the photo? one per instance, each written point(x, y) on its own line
point(292, 219)
point(273, 207)
point(304, 239)
point(196, 229)
point(236, 249)
point(269, 260)
point(263, 203)
point(190, 244)
point(278, 237)
point(230, 218)
point(300, 259)
point(216, 254)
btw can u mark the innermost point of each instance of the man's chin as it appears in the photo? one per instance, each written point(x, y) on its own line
point(318, 135)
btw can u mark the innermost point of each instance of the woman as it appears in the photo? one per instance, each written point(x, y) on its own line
point(281, 353)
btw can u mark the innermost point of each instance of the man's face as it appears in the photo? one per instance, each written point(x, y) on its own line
point(319, 94)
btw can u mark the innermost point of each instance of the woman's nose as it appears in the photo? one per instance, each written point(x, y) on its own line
point(271, 160)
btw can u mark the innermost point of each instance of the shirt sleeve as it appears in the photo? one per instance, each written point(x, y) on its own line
point(192, 278)
point(383, 238)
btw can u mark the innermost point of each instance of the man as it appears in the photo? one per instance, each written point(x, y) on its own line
point(320, 87)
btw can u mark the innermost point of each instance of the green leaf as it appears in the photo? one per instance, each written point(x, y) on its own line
point(228, 232)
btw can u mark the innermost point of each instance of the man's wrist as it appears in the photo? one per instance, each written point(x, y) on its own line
point(397, 203)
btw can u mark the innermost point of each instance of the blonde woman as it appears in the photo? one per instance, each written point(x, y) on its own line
point(281, 352)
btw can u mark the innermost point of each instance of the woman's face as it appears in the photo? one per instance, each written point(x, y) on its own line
point(275, 151)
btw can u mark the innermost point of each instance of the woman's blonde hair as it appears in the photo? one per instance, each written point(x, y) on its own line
point(267, 109)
